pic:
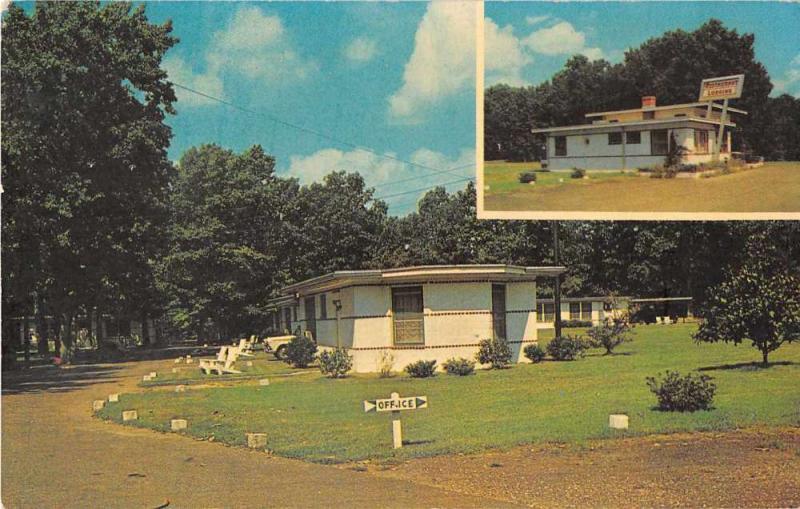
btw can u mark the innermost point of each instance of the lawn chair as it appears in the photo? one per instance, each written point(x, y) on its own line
point(245, 348)
point(209, 365)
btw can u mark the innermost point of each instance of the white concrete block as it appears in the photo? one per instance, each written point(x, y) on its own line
point(249, 364)
point(178, 360)
point(180, 388)
point(256, 440)
point(98, 404)
point(263, 381)
point(176, 370)
point(178, 424)
point(113, 398)
point(146, 378)
point(618, 421)
point(130, 415)
point(189, 360)
point(153, 374)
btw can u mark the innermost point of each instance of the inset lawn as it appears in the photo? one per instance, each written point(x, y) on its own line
point(774, 187)
point(323, 420)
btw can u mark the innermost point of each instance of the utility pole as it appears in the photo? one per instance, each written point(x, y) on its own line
point(557, 289)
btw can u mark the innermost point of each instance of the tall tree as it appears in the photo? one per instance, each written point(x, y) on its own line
point(85, 167)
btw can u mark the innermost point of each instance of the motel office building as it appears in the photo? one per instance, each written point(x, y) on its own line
point(637, 138)
point(415, 313)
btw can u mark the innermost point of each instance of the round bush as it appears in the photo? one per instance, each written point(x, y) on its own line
point(534, 353)
point(460, 366)
point(421, 369)
point(495, 351)
point(527, 177)
point(683, 394)
point(566, 348)
point(578, 173)
point(335, 363)
point(300, 351)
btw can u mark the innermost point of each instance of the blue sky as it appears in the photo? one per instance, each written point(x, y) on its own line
point(397, 78)
point(529, 42)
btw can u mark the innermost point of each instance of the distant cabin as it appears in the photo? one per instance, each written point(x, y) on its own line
point(415, 313)
point(636, 138)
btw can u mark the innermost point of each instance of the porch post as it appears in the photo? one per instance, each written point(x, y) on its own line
point(557, 289)
point(721, 131)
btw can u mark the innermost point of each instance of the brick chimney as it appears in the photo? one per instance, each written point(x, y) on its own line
point(649, 101)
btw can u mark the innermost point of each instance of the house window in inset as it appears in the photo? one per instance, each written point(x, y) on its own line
point(701, 142)
point(408, 315)
point(311, 316)
point(633, 138)
point(659, 142)
point(648, 115)
point(615, 138)
point(561, 145)
point(574, 310)
point(546, 312)
point(499, 311)
point(323, 307)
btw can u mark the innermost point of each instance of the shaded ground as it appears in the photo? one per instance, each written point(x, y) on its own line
point(56, 455)
point(775, 187)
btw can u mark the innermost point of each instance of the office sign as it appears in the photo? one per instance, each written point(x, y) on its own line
point(396, 404)
point(726, 87)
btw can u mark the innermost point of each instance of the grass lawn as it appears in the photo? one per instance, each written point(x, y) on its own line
point(264, 365)
point(774, 187)
point(322, 420)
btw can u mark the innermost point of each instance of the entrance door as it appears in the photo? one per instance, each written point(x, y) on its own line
point(499, 311)
point(311, 316)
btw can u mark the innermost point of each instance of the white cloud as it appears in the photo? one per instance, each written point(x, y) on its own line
point(535, 20)
point(253, 45)
point(361, 49)
point(790, 82)
point(443, 60)
point(560, 39)
point(504, 57)
point(179, 71)
point(379, 171)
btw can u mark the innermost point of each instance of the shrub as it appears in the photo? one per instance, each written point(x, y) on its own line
point(577, 324)
point(421, 369)
point(578, 173)
point(460, 366)
point(495, 351)
point(335, 363)
point(385, 364)
point(683, 394)
point(686, 168)
point(566, 348)
point(610, 334)
point(300, 351)
point(527, 177)
point(534, 353)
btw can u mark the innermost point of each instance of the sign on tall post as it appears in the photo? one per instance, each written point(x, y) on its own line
point(723, 88)
point(395, 404)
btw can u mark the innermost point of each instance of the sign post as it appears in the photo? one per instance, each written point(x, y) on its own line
point(395, 404)
point(726, 87)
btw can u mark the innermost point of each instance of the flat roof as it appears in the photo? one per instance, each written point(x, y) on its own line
point(421, 274)
point(668, 107)
point(614, 126)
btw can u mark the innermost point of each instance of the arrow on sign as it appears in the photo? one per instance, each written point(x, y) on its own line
point(422, 401)
point(369, 406)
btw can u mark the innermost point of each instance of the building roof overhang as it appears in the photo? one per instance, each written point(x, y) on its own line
point(637, 125)
point(667, 107)
point(420, 274)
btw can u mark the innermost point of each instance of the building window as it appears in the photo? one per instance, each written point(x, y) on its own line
point(408, 316)
point(633, 138)
point(648, 115)
point(547, 311)
point(499, 311)
point(580, 311)
point(659, 142)
point(323, 306)
point(701, 142)
point(615, 138)
point(311, 316)
point(287, 319)
point(561, 145)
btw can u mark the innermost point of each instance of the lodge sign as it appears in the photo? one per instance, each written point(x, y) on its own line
point(726, 87)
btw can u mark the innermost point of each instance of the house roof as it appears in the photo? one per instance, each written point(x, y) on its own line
point(667, 107)
point(421, 274)
point(615, 126)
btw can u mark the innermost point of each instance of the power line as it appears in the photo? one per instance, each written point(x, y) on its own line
point(311, 131)
point(424, 176)
point(423, 188)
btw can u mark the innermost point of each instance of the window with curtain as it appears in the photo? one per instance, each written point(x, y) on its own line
point(408, 315)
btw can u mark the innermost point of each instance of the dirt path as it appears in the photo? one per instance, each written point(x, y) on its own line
point(56, 455)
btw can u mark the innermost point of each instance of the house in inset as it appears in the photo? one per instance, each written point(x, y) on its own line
point(641, 137)
point(415, 313)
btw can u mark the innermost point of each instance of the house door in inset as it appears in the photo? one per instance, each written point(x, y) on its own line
point(311, 316)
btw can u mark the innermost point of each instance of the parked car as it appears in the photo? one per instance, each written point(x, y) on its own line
point(277, 345)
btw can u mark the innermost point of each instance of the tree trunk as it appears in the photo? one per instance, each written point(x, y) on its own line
point(57, 335)
point(145, 330)
point(765, 354)
point(67, 338)
point(41, 327)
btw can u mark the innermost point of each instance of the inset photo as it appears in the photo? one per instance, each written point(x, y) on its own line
point(640, 111)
